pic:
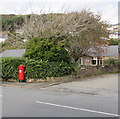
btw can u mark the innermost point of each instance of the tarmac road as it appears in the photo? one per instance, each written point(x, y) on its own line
point(74, 99)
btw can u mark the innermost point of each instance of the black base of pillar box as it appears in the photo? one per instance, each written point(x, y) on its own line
point(20, 81)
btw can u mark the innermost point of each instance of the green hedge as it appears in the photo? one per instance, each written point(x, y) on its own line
point(34, 68)
point(112, 61)
point(114, 42)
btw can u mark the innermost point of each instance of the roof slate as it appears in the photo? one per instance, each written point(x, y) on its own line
point(111, 51)
point(108, 51)
point(13, 53)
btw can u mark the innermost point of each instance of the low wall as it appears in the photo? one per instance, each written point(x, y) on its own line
point(96, 70)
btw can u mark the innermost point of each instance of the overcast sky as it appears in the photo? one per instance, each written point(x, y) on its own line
point(108, 9)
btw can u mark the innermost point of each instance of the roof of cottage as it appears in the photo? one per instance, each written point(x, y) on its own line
point(13, 53)
point(109, 51)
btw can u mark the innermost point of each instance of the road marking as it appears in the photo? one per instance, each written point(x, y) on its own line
point(0, 95)
point(75, 108)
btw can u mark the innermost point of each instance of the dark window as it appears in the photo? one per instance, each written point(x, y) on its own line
point(100, 62)
point(93, 61)
point(80, 61)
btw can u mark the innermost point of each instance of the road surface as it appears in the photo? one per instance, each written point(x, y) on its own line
point(96, 97)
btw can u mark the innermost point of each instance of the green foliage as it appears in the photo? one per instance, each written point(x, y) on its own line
point(34, 68)
point(10, 23)
point(112, 61)
point(46, 50)
point(114, 42)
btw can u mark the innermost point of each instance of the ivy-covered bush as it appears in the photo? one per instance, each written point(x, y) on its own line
point(46, 50)
point(34, 68)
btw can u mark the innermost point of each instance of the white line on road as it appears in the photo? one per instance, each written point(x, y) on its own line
point(81, 109)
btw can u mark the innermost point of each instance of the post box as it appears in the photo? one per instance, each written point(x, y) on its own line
point(21, 73)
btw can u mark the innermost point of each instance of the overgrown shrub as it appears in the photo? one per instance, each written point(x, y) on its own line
point(47, 50)
point(112, 61)
point(34, 68)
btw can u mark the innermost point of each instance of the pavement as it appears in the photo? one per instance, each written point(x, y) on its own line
point(92, 97)
point(104, 85)
point(97, 85)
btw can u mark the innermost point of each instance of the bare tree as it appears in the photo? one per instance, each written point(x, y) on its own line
point(81, 30)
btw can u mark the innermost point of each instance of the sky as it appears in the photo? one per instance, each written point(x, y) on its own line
point(108, 9)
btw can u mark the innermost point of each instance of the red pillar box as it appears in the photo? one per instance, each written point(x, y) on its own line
point(21, 73)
